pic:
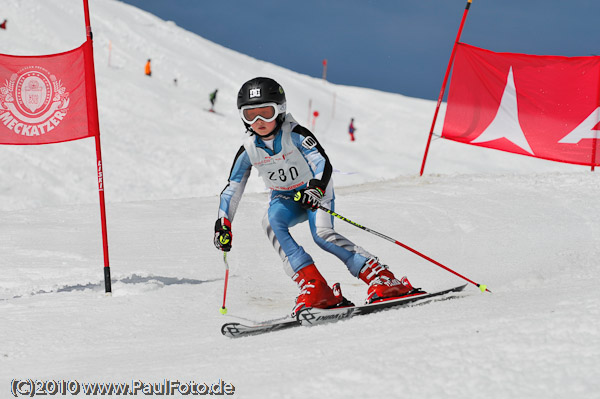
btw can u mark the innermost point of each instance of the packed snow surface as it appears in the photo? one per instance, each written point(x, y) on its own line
point(528, 229)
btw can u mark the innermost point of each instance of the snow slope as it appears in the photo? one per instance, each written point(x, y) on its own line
point(526, 228)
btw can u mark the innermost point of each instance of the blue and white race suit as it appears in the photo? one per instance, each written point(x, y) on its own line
point(295, 161)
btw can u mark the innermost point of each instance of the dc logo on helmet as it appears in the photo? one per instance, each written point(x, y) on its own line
point(254, 93)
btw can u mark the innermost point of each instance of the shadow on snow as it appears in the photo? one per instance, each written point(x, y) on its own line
point(133, 279)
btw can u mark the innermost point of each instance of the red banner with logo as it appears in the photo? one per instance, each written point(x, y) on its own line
point(541, 106)
point(47, 99)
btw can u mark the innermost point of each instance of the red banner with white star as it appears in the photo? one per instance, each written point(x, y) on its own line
point(46, 99)
point(542, 106)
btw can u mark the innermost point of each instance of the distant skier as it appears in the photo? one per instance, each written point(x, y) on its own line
point(213, 98)
point(296, 169)
point(351, 129)
point(3, 24)
point(148, 69)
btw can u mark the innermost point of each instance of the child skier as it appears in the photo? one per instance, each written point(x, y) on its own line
point(296, 169)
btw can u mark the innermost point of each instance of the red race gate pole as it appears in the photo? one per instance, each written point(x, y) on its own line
point(93, 123)
point(439, 102)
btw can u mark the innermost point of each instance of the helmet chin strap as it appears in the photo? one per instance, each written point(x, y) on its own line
point(273, 133)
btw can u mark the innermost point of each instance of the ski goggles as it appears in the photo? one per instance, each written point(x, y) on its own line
point(267, 112)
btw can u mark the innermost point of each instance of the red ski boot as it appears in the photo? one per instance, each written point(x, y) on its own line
point(382, 282)
point(314, 291)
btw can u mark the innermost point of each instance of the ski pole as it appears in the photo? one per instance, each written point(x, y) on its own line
point(223, 309)
point(482, 287)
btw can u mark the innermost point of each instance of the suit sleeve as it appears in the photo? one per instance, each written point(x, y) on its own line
point(315, 156)
point(238, 177)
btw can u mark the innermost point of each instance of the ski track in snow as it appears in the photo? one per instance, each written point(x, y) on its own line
point(526, 228)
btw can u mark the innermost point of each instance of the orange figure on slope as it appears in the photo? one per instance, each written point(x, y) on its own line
point(148, 68)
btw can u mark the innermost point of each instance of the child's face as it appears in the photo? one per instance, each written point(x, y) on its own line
point(263, 128)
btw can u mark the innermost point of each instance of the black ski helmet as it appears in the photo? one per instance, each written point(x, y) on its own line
point(260, 91)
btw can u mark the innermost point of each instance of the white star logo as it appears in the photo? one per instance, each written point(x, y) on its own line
point(506, 122)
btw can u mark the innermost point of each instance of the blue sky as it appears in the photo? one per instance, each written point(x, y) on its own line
point(392, 45)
